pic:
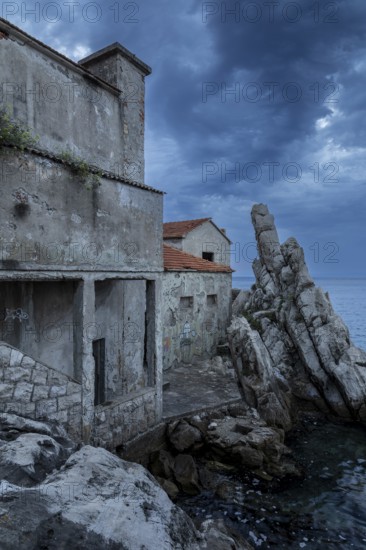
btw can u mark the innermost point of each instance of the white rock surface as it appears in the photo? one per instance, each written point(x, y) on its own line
point(97, 501)
point(287, 342)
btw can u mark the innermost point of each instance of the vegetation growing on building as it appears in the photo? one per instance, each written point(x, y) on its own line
point(14, 132)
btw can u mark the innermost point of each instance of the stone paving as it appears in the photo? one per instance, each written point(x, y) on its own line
point(202, 386)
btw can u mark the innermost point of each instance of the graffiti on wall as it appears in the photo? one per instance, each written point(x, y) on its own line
point(12, 314)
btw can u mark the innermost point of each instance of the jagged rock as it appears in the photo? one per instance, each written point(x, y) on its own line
point(240, 301)
point(186, 474)
point(169, 487)
point(251, 444)
point(291, 346)
point(258, 377)
point(183, 436)
point(29, 450)
point(219, 537)
point(12, 425)
point(96, 501)
point(161, 464)
point(27, 460)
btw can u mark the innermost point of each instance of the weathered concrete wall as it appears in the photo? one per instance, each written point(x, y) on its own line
point(114, 65)
point(206, 238)
point(118, 423)
point(134, 309)
point(120, 308)
point(192, 332)
point(69, 109)
point(51, 220)
point(29, 388)
point(37, 317)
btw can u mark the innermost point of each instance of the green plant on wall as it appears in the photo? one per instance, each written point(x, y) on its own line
point(13, 132)
point(81, 169)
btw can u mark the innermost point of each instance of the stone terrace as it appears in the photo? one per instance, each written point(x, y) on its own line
point(199, 387)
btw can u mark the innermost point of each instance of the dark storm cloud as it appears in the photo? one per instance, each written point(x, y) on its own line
point(293, 133)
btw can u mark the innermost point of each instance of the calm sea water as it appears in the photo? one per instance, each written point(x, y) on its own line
point(324, 510)
point(348, 297)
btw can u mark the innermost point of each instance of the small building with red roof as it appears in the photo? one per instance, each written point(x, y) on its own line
point(201, 237)
point(197, 286)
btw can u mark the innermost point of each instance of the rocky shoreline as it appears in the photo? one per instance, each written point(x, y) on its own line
point(54, 494)
point(232, 439)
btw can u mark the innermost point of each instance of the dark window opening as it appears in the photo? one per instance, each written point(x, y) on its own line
point(186, 302)
point(99, 379)
point(211, 299)
point(208, 256)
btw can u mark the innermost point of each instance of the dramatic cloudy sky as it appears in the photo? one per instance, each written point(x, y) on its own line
point(291, 135)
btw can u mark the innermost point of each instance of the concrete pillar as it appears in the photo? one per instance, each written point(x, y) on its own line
point(154, 336)
point(84, 315)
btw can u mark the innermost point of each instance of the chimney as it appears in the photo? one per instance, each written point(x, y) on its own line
point(223, 230)
point(121, 68)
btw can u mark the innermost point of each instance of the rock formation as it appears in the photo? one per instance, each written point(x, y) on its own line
point(90, 499)
point(54, 496)
point(290, 349)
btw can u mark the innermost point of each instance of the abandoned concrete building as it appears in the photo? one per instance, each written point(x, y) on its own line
point(197, 286)
point(81, 244)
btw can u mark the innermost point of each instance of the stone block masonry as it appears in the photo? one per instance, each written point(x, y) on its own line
point(121, 421)
point(31, 389)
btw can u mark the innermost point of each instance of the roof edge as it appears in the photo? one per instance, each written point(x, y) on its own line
point(11, 29)
point(116, 47)
point(222, 268)
point(93, 169)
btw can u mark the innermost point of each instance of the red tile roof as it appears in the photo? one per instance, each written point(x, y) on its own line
point(176, 260)
point(176, 230)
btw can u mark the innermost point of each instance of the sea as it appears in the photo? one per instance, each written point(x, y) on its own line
point(348, 297)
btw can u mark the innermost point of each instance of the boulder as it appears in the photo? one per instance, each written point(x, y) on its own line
point(161, 464)
point(186, 474)
point(28, 459)
point(219, 537)
point(169, 487)
point(183, 436)
point(29, 450)
point(95, 501)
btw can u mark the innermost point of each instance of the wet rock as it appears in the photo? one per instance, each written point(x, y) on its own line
point(251, 444)
point(169, 487)
point(219, 537)
point(247, 456)
point(161, 464)
point(183, 436)
point(186, 474)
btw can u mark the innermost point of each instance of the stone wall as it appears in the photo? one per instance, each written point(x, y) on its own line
point(121, 421)
point(29, 388)
point(192, 330)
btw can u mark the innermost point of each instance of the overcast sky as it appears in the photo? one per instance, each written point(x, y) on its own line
point(263, 104)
